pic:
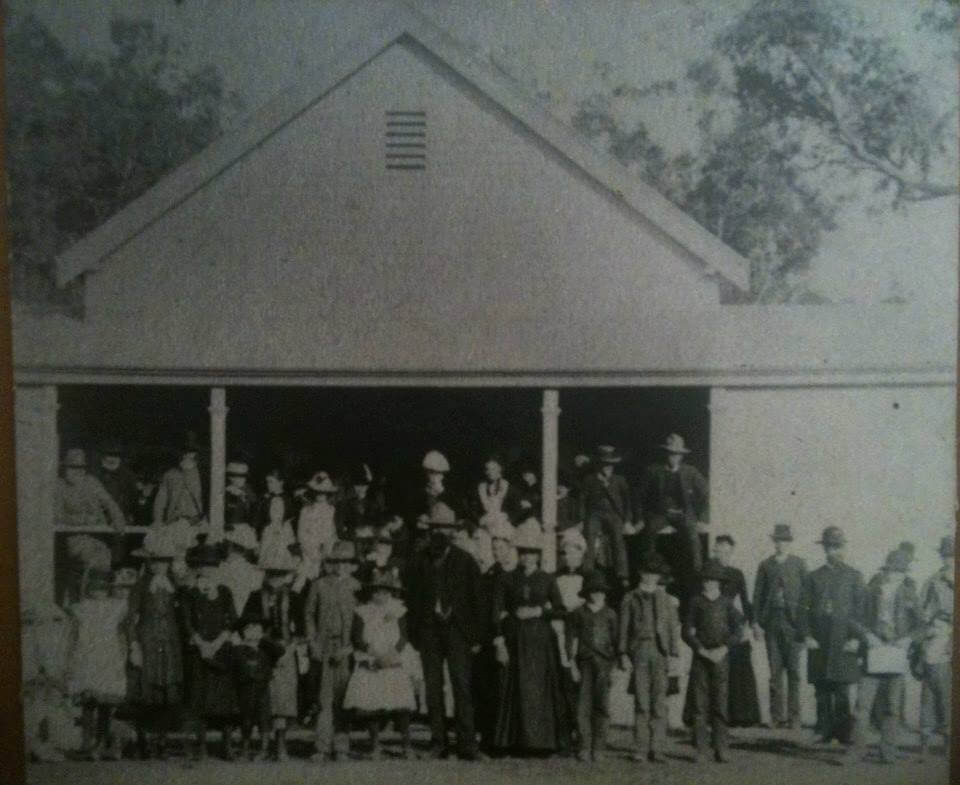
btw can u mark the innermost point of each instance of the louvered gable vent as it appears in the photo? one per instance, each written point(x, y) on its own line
point(405, 140)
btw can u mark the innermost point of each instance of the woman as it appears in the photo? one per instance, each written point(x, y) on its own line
point(316, 528)
point(743, 706)
point(210, 622)
point(531, 716)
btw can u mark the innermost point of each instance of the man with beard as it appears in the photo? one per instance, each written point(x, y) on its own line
point(444, 604)
point(830, 612)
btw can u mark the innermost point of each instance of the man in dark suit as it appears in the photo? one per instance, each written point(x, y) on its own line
point(605, 508)
point(674, 494)
point(776, 595)
point(830, 617)
point(444, 601)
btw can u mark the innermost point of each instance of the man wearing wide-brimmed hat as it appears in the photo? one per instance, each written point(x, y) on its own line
point(829, 621)
point(937, 598)
point(891, 620)
point(605, 509)
point(81, 498)
point(329, 609)
point(776, 596)
point(674, 493)
point(444, 591)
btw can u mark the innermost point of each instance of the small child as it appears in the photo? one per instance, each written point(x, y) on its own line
point(649, 639)
point(98, 677)
point(254, 660)
point(713, 625)
point(382, 684)
point(592, 640)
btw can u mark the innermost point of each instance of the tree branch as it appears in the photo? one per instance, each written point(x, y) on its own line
point(849, 139)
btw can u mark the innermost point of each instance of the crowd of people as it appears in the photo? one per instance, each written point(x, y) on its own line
point(337, 604)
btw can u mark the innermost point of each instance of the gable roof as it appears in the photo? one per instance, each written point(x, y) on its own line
point(398, 22)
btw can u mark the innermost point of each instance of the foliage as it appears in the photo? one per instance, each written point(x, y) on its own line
point(85, 136)
point(801, 111)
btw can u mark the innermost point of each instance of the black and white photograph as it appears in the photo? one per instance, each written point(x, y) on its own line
point(484, 391)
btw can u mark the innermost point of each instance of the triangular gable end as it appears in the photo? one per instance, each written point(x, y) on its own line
point(404, 23)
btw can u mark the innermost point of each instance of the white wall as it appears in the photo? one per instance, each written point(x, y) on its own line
point(878, 462)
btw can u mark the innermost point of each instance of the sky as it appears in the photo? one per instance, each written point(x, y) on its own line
point(557, 49)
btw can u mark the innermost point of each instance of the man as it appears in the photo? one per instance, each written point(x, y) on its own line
point(118, 479)
point(431, 496)
point(937, 597)
point(239, 500)
point(776, 596)
point(605, 509)
point(830, 609)
point(360, 507)
point(674, 494)
point(891, 618)
point(81, 498)
point(444, 604)
point(181, 492)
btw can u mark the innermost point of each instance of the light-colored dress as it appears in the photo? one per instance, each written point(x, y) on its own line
point(316, 533)
point(98, 665)
point(377, 632)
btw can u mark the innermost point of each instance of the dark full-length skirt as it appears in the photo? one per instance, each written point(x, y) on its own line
point(213, 692)
point(743, 707)
point(531, 715)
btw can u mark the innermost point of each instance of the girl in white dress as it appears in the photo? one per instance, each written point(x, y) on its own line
point(382, 684)
point(98, 678)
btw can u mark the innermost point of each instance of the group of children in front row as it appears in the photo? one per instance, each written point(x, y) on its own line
point(187, 643)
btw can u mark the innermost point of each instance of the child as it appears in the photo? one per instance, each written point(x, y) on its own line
point(98, 677)
point(331, 601)
point(254, 658)
point(153, 629)
point(592, 642)
point(381, 686)
point(649, 638)
point(713, 625)
point(210, 623)
point(273, 603)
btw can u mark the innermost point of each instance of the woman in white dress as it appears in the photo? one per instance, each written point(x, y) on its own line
point(316, 527)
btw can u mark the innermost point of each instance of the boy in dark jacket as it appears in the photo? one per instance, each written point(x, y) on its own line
point(253, 660)
point(713, 625)
point(591, 641)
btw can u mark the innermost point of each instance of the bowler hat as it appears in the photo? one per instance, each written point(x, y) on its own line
point(833, 536)
point(608, 454)
point(653, 564)
point(342, 551)
point(594, 582)
point(782, 533)
point(946, 546)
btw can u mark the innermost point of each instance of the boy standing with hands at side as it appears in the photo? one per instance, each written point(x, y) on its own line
point(592, 641)
point(649, 639)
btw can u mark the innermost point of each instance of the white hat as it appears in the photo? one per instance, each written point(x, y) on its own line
point(529, 536)
point(237, 469)
point(435, 461)
point(160, 542)
point(674, 443)
point(502, 529)
point(243, 535)
point(321, 483)
point(572, 538)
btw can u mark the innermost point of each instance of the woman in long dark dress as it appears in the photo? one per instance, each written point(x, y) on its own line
point(210, 619)
point(743, 707)
point(531, 716)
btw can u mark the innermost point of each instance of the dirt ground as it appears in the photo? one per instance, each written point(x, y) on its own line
point(757, 756)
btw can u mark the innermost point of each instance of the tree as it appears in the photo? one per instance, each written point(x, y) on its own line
point(86, 136)
point(804, 112)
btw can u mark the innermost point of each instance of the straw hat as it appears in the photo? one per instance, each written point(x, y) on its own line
point(435, 461)
point(529, 536)
point(237, 469)
point(322, 483)
point(574, 540)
